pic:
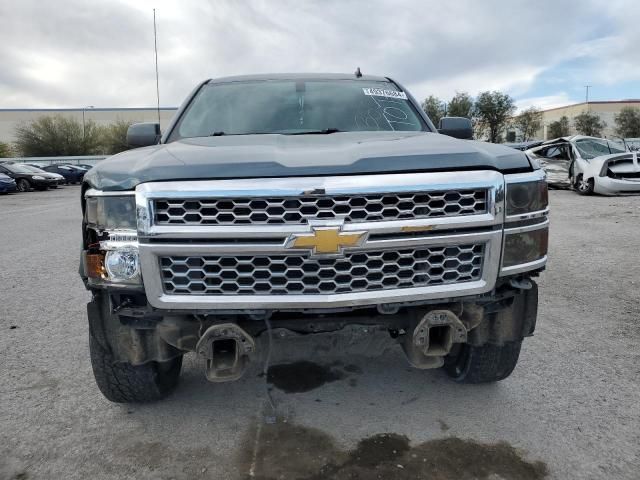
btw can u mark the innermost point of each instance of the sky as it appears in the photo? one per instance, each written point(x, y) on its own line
point(74, 53)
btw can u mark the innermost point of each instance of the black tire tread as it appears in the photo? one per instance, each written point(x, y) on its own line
point(125, 383)
point(486, 363)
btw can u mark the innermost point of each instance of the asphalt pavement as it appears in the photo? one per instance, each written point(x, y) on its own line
point(571, 408)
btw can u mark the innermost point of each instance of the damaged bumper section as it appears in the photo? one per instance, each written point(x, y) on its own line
point(427, 334)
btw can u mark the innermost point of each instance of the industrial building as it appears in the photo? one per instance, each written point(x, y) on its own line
point(606, 110)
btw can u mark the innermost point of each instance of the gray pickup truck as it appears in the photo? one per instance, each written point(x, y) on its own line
point(324, 208)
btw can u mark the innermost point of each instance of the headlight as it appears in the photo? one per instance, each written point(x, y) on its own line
point(526, 197)
point(122, 266)
point(37, 177)
point(526, 229)
point(525, 247)
point(111, 212)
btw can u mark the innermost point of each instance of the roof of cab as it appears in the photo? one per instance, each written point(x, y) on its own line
point(298, 76)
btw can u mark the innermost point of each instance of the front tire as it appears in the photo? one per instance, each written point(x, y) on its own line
point(483, 364)
point(23, 185)
point(122, 382)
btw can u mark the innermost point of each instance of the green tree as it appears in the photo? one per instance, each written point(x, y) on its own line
point(558, 128)
point(528, 122)
point(114, 137)
point(434, 108)
point(588, 123)
point(461, 105)
point(628, 122)
point(57, 135)
point(5, 150)
point(491, 112)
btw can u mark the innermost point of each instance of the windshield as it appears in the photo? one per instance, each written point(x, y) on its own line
point(15, 168)
point(592, 147)
point(298, 107)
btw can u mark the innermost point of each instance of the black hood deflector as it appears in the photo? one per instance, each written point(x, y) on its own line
point(268, 156)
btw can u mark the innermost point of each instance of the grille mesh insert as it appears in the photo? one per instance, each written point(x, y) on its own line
point(299, 210)
point(299, 274)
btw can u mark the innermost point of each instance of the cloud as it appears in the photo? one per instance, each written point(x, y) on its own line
point(73, 53)
point(545, 102)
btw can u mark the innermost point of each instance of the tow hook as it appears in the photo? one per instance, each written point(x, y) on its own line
point(521, 284)
point(433, 338)
point(227, 348)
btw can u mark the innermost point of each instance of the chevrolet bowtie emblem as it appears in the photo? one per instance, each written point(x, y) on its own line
point(326, 240)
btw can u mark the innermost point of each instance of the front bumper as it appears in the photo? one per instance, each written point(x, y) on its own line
point(43, 183)
point(6, 187)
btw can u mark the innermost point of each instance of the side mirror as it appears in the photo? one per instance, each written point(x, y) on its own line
point(457, 127)
point(143, 134)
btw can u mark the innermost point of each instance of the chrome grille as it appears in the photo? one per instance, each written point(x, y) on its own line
point(300, 210)
point(299, 274)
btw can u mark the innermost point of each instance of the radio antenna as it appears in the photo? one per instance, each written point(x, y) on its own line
point(155, 44)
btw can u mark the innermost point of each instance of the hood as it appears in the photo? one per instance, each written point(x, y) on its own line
point(262, 156)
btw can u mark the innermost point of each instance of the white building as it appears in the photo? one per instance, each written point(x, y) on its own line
point(606, 110)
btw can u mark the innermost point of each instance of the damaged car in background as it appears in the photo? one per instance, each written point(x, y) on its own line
point(589, 165)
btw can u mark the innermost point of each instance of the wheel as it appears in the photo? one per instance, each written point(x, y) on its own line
point(23, 185)
point(584, 187)
point(488, 363)
point(122, 382)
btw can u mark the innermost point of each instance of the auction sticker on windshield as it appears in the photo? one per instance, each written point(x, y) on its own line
point(379, 92)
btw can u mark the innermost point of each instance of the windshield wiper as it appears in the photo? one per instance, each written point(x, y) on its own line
point(326, 131)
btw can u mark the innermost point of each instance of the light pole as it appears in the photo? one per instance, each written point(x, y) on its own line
point(83, 110)
point(586, 97)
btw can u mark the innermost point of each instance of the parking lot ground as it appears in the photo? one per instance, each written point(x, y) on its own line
point(571, 409)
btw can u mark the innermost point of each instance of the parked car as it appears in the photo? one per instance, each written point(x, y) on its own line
point(26, 179)
point(86, 166)
point(7, 184)
point(71, 175)
point(59, 178)
point(588, 165)
point(77, 168)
